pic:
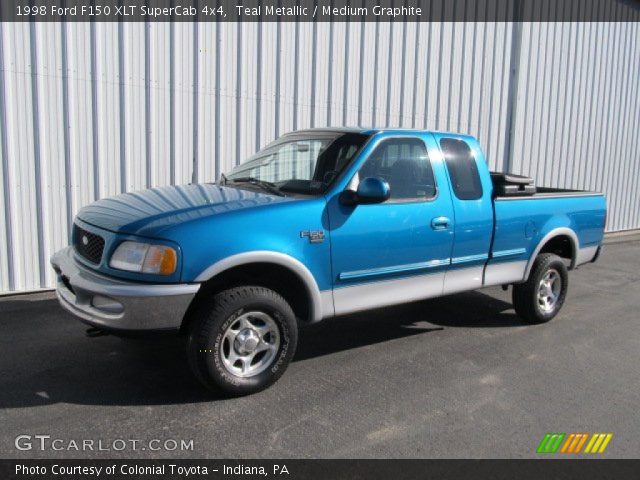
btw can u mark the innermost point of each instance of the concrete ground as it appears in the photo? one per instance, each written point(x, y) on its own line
point(459, 376)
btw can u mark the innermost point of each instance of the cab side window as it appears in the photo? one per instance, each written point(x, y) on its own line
point(462, 168)
point(404, 164)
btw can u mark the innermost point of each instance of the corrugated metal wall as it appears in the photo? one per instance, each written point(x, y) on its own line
point(91, 110)
point(578, 111)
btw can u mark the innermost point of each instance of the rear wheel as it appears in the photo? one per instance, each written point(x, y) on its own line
point(541, 297)
point(242, 340)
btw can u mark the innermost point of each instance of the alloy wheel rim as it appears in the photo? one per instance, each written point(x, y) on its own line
point(250, 344)
point(549, 290)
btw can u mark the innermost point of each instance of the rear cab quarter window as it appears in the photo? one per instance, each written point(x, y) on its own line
point(462, 168)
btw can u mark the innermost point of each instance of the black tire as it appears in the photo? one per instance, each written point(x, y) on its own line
point(207, 348)
point(526, 296)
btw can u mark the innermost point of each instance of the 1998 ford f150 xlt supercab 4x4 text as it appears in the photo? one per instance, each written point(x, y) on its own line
point(320, 223)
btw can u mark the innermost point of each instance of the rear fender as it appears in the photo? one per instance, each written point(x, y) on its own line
point(556, 232)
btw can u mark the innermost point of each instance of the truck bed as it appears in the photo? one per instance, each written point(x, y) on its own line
point(549, 192)
point(522, 223)
point(508, 186)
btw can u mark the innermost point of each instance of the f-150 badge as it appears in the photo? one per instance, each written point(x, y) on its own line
point(314, 236)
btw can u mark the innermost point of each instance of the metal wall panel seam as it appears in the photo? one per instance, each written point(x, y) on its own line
point(587, 104)
point(578, 92)
point(35, 105)
point(65, 120)
point(403, 71)
point(527, 110)
point(94, 111)
point(634, 147)
point(172, 109)
point(361, 72)
point(375, 70)
point(605, 117)
point(296, 75)
point(121, 85)
point(6, 184)
point(314, 58)
point(632, 142)
point(629, 130)
point(617, 130)
point(513, 89)
point(259, 87)
point(416, 49)
point(598, 59)
point(441, 54)
point(531, 137)
point(481, 84)
point(147, 105)
point(610, 119)
point(627, 147)
point(588, 125)
point(345, 78)
point(390, 78)
point(218, 88)
point(636, 212)
point(473, 70)
point(450, 75)
point(555, 108)
point(625, 120)
point(239, 91)
point(195, 174)
point(278, 69)
point(604, 131)
point(540, 103)
point(619, 117)
point(329, 75)
point(461, 86)
point(489, 147)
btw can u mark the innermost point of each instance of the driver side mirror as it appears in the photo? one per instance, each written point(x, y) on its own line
point(371, 190)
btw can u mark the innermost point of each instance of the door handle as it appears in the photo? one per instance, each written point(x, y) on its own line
point(440, 223)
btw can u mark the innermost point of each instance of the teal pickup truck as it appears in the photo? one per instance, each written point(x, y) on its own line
point(320, 223)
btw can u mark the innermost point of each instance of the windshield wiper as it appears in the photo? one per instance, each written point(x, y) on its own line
point(268, 186)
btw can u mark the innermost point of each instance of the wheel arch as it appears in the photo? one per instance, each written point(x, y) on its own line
point(317, 304)
point(561, 240)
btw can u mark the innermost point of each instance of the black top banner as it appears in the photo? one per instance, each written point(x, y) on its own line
point(318, 10)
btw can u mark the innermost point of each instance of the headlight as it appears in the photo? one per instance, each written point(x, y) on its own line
point(144, 258)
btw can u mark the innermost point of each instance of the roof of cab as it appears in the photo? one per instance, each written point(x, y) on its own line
point(373, 130)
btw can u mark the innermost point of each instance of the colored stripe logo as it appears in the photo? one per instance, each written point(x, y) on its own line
point(574, 443)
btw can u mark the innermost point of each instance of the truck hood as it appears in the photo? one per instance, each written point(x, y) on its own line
point(148, 212)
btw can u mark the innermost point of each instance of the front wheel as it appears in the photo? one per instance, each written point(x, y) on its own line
point(541, 297)
point(242, 340)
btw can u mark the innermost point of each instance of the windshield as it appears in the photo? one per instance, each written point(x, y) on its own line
point(302, 163)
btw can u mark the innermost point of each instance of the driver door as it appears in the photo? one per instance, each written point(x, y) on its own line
point(399, 250)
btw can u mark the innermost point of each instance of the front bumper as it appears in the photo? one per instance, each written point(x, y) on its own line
point(114, 304)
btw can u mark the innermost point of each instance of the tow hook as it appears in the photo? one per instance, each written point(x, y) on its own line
point(95, 332)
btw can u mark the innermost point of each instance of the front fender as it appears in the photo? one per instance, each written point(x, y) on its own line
point(321, 302)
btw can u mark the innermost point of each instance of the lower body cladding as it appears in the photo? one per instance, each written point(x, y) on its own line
point(112, 304)
point(381, 293)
